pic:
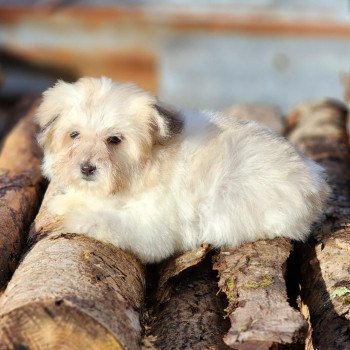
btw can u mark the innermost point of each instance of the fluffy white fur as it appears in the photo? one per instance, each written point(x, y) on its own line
point(175, 180)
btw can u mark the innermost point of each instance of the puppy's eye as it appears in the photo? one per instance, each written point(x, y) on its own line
point(74, 134)
point(114, 139)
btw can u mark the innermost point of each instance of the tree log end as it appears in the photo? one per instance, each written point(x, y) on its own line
point(73, 289)
point(53, 325)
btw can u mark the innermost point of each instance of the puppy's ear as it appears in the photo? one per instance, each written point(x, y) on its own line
point(45, 136)
point(167, 121)
point(49, 111)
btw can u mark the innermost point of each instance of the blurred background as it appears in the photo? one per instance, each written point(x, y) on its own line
point(195, 53)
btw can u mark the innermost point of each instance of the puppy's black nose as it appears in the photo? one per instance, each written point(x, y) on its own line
point(87, 168)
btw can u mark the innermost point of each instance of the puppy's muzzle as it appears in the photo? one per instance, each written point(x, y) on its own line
point(87, 169)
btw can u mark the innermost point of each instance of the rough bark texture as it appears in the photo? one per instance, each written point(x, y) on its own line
point(187, 312)
point(173, 267)
point(253, 278)
point(20, 188)
point(72, 292)
point(319, 129)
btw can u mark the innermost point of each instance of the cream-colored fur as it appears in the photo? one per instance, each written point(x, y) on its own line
point(175, 180)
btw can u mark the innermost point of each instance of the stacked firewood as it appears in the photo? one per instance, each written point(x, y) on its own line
point(68, 291)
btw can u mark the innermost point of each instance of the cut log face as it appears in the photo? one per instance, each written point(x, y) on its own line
point(318, 128)
point(20, 188)
point(57, 329)
point(72, 292)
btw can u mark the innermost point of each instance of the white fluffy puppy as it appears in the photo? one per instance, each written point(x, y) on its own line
point(155, 182)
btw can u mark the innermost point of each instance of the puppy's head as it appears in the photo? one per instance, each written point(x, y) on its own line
point(99, 135)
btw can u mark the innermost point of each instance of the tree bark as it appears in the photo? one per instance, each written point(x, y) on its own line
point(20, 187)
point(253, 278)
point(187, 312)
point(318, 128)
point(72, 292)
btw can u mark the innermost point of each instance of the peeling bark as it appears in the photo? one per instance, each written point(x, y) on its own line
point(20, 187)
point(253, 278)
point(72, 292)
point(173, 267)
point(318, 128)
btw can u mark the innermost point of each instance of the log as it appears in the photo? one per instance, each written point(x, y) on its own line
point(253, 277)
point(187, 311)
point(318, 128)
point(72, 292)
point(21, 187)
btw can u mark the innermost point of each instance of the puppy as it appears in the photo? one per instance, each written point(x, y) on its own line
point(155, 182)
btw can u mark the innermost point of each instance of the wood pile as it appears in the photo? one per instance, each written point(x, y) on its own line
point(73, 292)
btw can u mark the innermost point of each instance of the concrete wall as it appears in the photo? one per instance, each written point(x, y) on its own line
point(195, 54)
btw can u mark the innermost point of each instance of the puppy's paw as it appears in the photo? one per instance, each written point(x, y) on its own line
point(81, 222)
point(90, 224)
point(58, 205)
